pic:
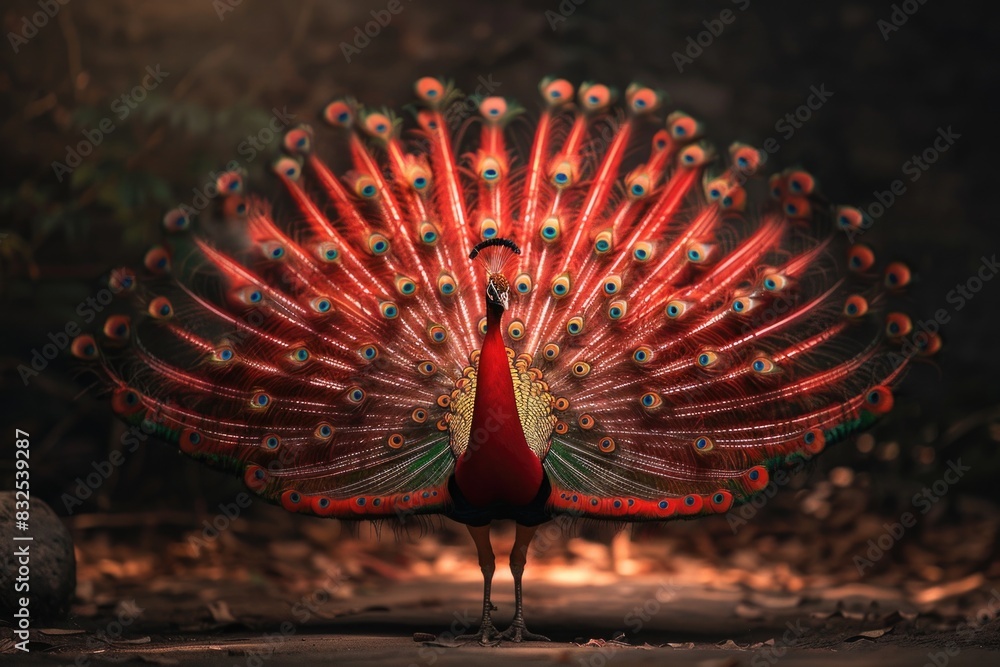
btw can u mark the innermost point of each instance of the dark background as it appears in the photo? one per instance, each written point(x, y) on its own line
point(226, 75)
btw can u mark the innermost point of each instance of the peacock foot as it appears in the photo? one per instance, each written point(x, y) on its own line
point(517, 632)
point(487, 635)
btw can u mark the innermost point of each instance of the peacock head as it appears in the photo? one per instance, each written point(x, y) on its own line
point(495, 253)
point(498, 291)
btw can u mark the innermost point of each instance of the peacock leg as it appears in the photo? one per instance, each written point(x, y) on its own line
point(517, 631)
point(487, 635)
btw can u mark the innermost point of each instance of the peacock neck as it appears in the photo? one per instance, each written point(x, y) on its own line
point(497, 465)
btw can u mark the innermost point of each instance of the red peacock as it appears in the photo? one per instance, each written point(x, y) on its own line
point(644, 349)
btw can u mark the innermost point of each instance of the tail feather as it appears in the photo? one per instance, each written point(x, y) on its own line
point(688, 348)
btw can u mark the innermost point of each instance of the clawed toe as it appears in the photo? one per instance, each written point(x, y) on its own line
point(517, 632)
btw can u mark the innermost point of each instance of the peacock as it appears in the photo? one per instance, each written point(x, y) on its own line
point(488, 318)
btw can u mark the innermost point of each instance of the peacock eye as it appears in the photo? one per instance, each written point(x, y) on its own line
point(157, 260)
point(489, 228)
point(355, 394)
point(389, 310)
point(438, 334)
point(897, 275)
point(562, 175)
point(612, 285)
point(428, 233)
point(327, 252)
point(287, 168)
point(763, 366)
point(176, 220)
point(575, 326)
point(550, 351)
point(522, 284)
point(270, 441)
point(676, 308)
point(561, 285)
point(339, 114)
point(516, 329)
point(323, 431)
point(378, 244)
point(321, 305)
point(368, 352)
point(617, 309)
point(426, 368)
point(642, 251)
point(743, 304)
point(446, 284)
point(602, 242)
point(482, 326)
point(594, 97)
point(703, 444)
point(698, 252)
point(682, 126)
point(378, 125)
point(638, 186)
point(707, 358)
point(405, 285)
point(855, 306)
point(493, 108)
point(556, 91)
point(300, 355)
point(651, 400)
point(161, 308)
point(580, 369)
point(489, 170)
point(297, 141)
point(774, 282)
point(550, 229)
point(642, 355)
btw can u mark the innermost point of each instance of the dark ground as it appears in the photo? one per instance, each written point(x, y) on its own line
point(939, 70)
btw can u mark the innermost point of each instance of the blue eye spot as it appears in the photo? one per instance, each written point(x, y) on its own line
point(694, 255)
point(689, 158)
point(368, 191)
point(672, 311)
point(490, 174)
point(593, 99)
point(641, 253)
point(703, 360)
point(758, 366)
point(602, 245)
point(689, 501)
point(770, 284)
point(754, 475)
point(742, 161)
point(380, 128)
point(343, 117)
point(701, 443)
point(380, 246)
point(679, 130)
point(561, 178)
point(738, 306)
point(420, 182)
point(610, 288)
point(809, 438)
point(637, 190)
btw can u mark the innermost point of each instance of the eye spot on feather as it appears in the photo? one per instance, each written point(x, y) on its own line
point(157, 260)
point(378, 244)
point(642, 355)
point(117, 327)
point(763, 366)
point(897, 275)
point(774, 282)
point(561, 427)
point(561, 404)
point(879, 400)
point(482, 326)
point(675, 309)
point(642, 251)
point(190, 440)
point(617, 309)
point(651, 400)
point(446, 284)
point(550, 352)
point(426, 368)
point(707, 358)
point(437, 333)
point(813, 441)
point(405, 286)
point(161, 308)
point(606, 445)
point(368, 352)
point(756, 478)
point(489, 228)
point(575, 326)
point(395, 440)
point(703, 444)
point(860, 258)
point(612, 285)
point(323, 431)
point(585, 421)
point(561, 285)
point(855, 306)
point(419, 415)
point(300, 355)
point(260, 400)
point(321, 305)
point(84, 347)
point(602, 243)
point(743, 304)
point(516, 330)
point(389, 310)
point(355, 395)
point(550, 229)
point(444, 400)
